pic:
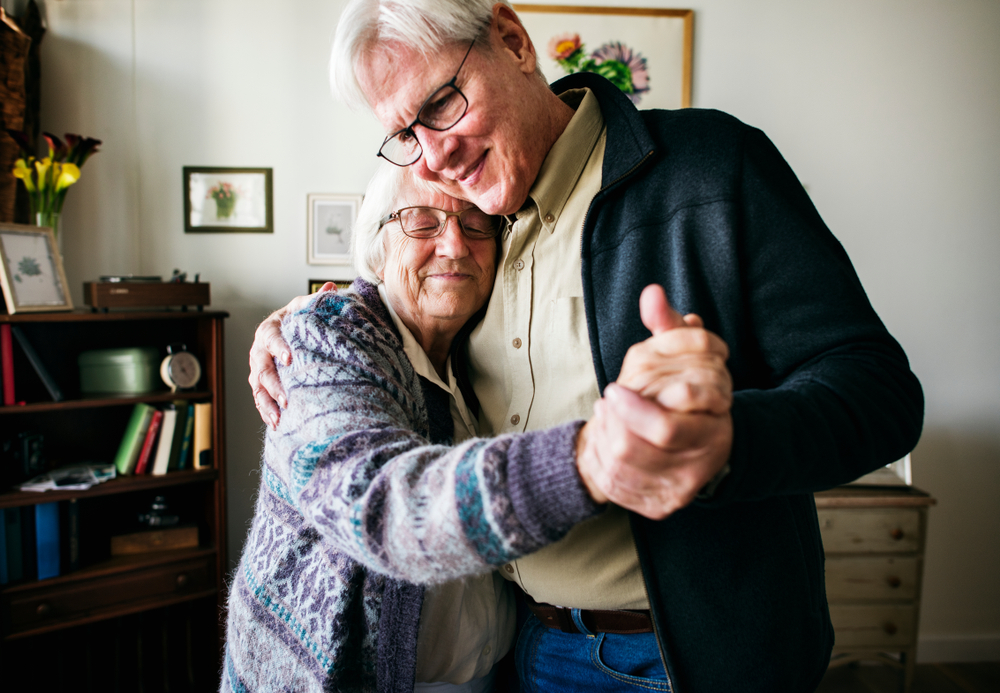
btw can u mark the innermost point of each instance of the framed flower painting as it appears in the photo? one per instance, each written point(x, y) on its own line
point(227, 200)
point(645, 52)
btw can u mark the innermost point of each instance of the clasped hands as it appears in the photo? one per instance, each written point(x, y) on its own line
point(661, 432)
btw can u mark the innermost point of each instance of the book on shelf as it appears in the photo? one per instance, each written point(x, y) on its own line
point(142, 464)
point(162, 460)
point(168, 538)
point(36, 363)
point(175, 449)
point(7, 364)
point(47, 540)
point(69, 532)
point(135, 432)
point(29, 543)
point(183, 461)
point(12, 539)
point(203, 435)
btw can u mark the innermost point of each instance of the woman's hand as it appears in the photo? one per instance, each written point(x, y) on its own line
point(268, 345)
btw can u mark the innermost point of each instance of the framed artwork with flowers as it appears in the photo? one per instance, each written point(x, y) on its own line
point(31, 270)
point(227, 200)
point(645, 52)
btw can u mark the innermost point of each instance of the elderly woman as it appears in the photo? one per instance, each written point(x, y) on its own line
point(374, 484)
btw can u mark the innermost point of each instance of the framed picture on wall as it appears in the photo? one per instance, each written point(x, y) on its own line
point(227, 200)
point(316, 284)
point(32, 275)
point(646, 52)
point(330, 223)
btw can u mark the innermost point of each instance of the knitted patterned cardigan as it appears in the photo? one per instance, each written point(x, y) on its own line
point(356, 508)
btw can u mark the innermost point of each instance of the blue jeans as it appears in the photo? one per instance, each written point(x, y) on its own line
point(551, 661)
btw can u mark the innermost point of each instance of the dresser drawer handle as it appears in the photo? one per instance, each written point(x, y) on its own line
point(182, 580)
point(897, 534)
point(893, 581)
point(890, 628)
point(44, 609)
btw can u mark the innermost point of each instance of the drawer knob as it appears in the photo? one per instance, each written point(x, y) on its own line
point(890, 628)
point(182, 580)
point(44, 609)
point(897, 534)
point(893, 581)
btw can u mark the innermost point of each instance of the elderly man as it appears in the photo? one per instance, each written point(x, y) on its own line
point(721, 573)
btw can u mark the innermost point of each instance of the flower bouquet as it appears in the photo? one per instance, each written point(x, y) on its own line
point(615, 61)
point(48, 179)
point(225, 196)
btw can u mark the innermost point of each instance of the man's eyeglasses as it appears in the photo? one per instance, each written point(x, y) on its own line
point(429, 222)
point(441, 111)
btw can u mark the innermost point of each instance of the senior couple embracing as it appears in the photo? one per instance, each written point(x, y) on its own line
point(503, 444)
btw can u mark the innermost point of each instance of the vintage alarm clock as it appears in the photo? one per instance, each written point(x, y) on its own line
point(181, 369)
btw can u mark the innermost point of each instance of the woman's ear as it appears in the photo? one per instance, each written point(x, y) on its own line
point(513, 37)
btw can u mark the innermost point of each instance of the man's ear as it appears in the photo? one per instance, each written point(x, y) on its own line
point(513, 37)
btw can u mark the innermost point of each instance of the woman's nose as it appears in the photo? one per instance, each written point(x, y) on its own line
point(452, 242)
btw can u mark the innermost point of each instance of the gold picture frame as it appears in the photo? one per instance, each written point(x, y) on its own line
point(655, 44)
point(31, 270)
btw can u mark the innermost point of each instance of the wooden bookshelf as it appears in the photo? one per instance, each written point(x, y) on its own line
point(181, 591)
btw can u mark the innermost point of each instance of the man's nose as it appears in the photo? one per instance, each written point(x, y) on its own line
point(438, 147)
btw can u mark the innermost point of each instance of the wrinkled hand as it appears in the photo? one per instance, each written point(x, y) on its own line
point(268, 345)
point(652, 452)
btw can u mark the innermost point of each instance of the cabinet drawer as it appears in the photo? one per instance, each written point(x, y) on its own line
point(873, 578)
point(106, 596)
point(879, 625)
point(873, 530)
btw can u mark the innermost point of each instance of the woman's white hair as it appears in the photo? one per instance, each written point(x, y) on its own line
point(422, 25)
point(385, 190)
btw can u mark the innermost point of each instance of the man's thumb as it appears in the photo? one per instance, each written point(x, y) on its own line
point(656, 313)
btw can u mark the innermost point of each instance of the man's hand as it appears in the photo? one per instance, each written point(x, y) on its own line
point(268, 345)
point(654, 453)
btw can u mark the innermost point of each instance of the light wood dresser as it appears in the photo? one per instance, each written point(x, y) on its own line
point(874, 543)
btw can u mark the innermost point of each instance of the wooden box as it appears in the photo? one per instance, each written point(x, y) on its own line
point(146, 294)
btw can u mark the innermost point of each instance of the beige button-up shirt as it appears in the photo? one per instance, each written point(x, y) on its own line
point(466, 625)
point(532, 366)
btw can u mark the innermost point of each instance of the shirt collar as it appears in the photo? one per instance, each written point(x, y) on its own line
point(568, 157)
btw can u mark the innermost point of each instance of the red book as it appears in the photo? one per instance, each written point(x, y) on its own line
point(7, 364)
point(147, 444)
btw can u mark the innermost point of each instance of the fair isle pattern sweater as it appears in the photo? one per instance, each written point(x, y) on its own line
point(356, 507)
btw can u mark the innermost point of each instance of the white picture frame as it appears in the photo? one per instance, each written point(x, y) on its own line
point(330, 225)
point(32, 275)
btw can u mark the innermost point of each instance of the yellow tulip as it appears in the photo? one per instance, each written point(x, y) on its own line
point(69, 174)
point(22, 171)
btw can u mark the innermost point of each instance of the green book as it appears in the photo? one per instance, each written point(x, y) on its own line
point(135, 434)
point(182, 463)
point(179, 430)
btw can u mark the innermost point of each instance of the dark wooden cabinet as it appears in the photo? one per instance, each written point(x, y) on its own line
point(149, 621)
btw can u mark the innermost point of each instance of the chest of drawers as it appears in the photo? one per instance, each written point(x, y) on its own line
point(874, 543)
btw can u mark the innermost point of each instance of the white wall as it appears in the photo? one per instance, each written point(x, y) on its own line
point(888, 111)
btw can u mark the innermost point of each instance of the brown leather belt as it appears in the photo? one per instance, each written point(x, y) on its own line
point(619, 622)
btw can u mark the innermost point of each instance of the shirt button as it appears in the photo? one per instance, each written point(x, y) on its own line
point(509, 568)
point(514, 419)
point(519, 264)
point(487, 650)
point(517, 342)
point(549, 218)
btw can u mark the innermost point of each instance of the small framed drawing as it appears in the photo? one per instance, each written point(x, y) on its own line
point(32, 274)
point(645, 52)
point(227, 200)
point(331, 222)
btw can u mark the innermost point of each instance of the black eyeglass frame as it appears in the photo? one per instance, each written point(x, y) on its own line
point(416, 121)
point(396, 216)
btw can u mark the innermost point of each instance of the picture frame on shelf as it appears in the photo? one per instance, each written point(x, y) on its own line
point(651, 48)
point(316, 284)
point(228, 200)
point(32, 275)
point(330, 224)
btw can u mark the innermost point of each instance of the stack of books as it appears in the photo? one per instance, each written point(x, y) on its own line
point(30, 546)
point(162, 440)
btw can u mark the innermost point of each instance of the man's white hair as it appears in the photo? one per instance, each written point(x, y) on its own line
point(422, 25)
point(384, 193)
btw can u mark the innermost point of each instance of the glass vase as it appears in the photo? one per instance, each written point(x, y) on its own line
point(51, 220)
